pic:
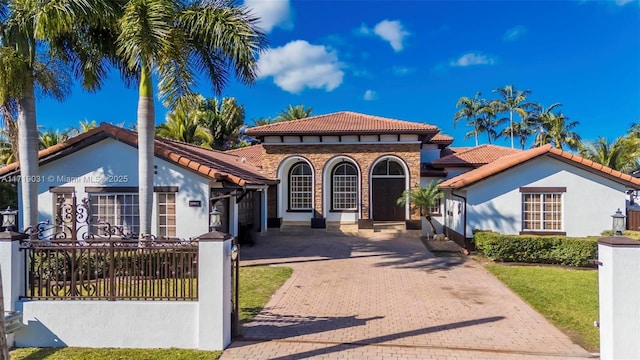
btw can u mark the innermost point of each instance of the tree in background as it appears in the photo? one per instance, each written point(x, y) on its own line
point(173, 40)
point(512, 101)
point(621, 154)
point(182, 125)
point(294, 113)
point(487, 121)
point(556, 129)
point(263, 121)
point(50, 137)
point(470, 111)
point(222, 119)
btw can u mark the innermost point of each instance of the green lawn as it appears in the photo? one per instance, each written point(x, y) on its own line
point(566, 297)
point(257, 284)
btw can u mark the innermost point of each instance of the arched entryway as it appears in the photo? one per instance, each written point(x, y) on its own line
point(388, 182)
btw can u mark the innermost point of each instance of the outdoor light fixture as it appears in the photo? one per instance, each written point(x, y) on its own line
point(9, 219)
point(214, 219)
point(618, 223)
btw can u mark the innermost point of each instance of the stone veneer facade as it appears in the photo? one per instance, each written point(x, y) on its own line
point(364, 154)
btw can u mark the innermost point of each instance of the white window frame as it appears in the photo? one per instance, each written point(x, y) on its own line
point(547, 218)
point(129, 225)
point(296, 195)
point(348, 181)
point(167, 229)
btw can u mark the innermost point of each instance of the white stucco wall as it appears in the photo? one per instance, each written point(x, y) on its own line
point(496, 203)
point(116, 324)
point(454, 210)
point(112, 163)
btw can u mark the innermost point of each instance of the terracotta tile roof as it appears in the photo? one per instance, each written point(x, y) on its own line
point(441, 139)
point(507, 162)
point(342, 123)
point(253, 154)
point(213, 164)
point(474, 157)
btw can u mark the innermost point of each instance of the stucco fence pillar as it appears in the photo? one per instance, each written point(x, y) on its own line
point(619, 297)
point(203, 324)
point(12, 268)
point(214, 291)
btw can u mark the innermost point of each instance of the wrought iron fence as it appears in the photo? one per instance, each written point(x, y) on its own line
point(111, 269)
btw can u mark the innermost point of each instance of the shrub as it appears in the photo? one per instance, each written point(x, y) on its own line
point(536, 249)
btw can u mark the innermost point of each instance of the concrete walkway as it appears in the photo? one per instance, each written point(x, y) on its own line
point(389, 298)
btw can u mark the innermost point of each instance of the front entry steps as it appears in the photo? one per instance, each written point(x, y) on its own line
point(391, 227)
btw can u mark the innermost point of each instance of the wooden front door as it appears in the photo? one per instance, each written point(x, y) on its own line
point(384, 194)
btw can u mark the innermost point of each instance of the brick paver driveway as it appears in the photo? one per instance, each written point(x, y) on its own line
point(387, 297)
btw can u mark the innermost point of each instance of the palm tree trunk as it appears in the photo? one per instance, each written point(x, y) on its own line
point(146, 130)
point(475, 132)
point(28, 152)
point(511, 126)
point(430, 221)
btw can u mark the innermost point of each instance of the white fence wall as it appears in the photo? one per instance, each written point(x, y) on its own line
point(203, 324)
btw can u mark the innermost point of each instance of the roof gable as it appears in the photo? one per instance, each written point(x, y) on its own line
point(252, 154)
point(213, 164)
point(342, 123)
point(511, 161)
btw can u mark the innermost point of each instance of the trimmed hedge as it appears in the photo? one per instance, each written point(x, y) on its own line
point(537, 249)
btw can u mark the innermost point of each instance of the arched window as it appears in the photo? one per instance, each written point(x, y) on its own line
point(300, 187)
point(344, 187)
point(388, 168)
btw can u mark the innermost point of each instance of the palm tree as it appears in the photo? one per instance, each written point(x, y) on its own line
point(486, 121)
point(222, 119)
point(522, 130)
point(554, 128)
point(84, 126)
point(621, 155)
point(182, 125)
point(294, 113)
point(424, 198)
point(172, 40)
point(470, 111)
point(41, 46)
point(263, 121)
point(50, 137)
point(512, 101)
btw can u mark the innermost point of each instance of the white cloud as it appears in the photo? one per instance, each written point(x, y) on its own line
point(299, 65)
point(623, 2)
point(514, 33)
point(402, 70)
point(272, 13)
point(471, 58)
point(370, 95)
point(391, 31)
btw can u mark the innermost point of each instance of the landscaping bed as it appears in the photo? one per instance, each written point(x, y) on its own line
point(559, 250)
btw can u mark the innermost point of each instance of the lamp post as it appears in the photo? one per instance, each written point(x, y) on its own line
point(9, 219)
point(618, 223)
point(214, 219)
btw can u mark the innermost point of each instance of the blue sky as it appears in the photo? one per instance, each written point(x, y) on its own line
point(412, 60)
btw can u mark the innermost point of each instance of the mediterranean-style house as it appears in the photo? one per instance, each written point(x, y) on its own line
point(190, 182)
point(340, 171)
